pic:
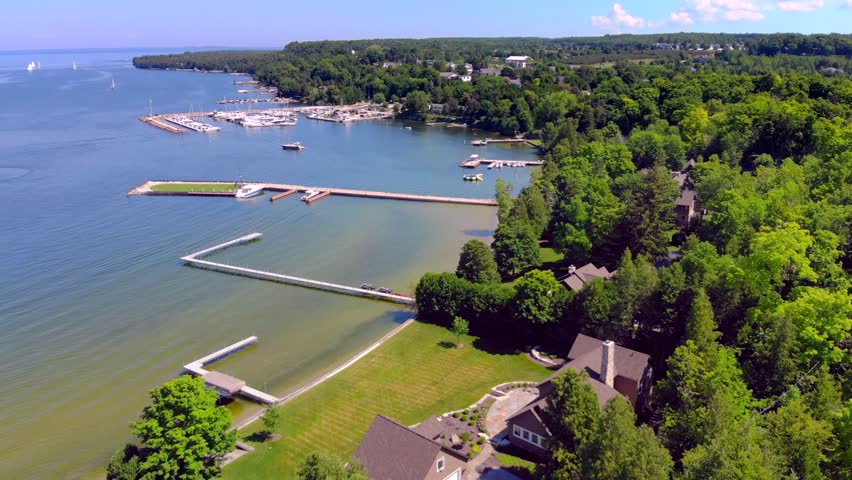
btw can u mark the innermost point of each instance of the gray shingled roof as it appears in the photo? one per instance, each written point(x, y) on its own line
point(391, 451)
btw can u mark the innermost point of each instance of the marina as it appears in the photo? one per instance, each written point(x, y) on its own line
point(191, 124)
point(195, 260)
point(149, 188)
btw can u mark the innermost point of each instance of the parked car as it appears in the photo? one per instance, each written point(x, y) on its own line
point(385, 290)
point(367, 286)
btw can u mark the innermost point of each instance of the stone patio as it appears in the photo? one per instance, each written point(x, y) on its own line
point(506, 406)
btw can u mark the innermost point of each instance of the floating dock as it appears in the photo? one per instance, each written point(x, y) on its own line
point(224, 383)
point(473, 162)
point(282, 195)
point(146, 189)
point(195, 260)
point(482, 143)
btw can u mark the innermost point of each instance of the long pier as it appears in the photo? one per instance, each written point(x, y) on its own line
point(158, 121)
point(473, 162)
point(195, 260)
point(227, 383)
point(482, 143)
point(147, 188)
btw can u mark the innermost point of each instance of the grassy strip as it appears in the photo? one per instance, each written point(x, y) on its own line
point(193, 187)
point(513, 461)
point(416, 374)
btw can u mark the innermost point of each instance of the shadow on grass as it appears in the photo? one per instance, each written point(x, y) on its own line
point(258, 437)
point(496, 346)
point(446, 344)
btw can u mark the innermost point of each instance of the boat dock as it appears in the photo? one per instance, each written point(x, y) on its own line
point(187, 122)
point(157, 121)
point(282, 195)
point(224, 383)
point(146, 189)
point(474, 161)
point(194, 260)
point(482, 143)
point(316, 197)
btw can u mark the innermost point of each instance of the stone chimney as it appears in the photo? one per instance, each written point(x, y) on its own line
point(571, 269)
point(607, 372)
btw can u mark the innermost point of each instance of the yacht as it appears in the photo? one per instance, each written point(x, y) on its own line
point(293, 146)
point(248, 191)
point(309, 195)
point(470, 177)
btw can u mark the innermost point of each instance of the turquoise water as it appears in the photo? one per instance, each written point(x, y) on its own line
point(96, 309)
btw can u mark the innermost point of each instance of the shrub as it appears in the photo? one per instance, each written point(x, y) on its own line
point(476, 410)
point(466, 411)
point(465, 437)
point(464, 418)
point(456, 415)
point(480, 441)
point(471, 423)
point(474, 451)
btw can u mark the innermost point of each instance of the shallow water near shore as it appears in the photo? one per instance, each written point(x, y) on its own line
point(96, 308)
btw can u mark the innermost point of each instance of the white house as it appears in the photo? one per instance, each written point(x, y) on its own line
point(516, 61)
point(466, 78)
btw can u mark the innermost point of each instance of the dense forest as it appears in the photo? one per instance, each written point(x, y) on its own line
point(744, 307)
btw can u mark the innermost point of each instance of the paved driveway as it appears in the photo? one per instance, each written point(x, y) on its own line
point(499, 474)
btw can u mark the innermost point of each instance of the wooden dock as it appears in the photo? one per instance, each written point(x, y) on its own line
point(474, 162)
point(157, 121)
point(282, 195)
point(146, 189)
point(221, 381)
point(485, 142)
point(195, 260)
point(318, 196)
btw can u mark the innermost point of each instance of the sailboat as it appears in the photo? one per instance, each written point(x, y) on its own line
point(113, 84)
point(74, 65)
point(31, 66)
point(38, 65)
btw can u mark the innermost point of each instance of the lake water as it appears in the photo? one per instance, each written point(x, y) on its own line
point(95, 307)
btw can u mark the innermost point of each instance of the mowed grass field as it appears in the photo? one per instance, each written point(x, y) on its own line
point(193, 187)
point(414, 375)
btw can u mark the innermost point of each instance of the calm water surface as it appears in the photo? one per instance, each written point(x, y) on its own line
point(95, 308)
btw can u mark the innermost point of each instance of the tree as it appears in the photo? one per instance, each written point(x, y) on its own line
point(515, 248)
point(324, 467)
point(416, 105)
point(572, 417)
point(460, 327)
point(539, 298)
point(700, 326)
point(476, 263)
point(649, 213)
point(184, 432)
point(801, 440)
point(271, 417)
point(124, 464)
point(504, 199)
point(624, 451)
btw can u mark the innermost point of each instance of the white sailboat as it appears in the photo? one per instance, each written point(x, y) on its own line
point(113, 84)
point(74, 65)
point(38, 65)
point(31, 66)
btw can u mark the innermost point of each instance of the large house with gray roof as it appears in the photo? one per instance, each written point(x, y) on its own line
point(577, 278)
point(612, 370)
point(392, 451)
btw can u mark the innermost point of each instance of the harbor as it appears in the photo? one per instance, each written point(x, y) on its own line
point(151, 188)
point(195, 260)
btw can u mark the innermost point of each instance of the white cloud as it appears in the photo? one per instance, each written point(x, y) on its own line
point(803, 6)
point(684, 18)
point(618, 18)
point(731, 10)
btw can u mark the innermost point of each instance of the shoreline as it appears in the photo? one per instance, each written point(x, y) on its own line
point(322, 378)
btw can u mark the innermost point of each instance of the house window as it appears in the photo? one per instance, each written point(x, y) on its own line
point(517, 431)
point(441, 464)
point(529, 437)
point(526, 435)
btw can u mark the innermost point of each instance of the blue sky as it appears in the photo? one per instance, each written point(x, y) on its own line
point(273, 23)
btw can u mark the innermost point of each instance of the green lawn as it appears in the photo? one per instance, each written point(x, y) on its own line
point(411, 377)
point(193, 187)
point(549, 255)
point(513, 461)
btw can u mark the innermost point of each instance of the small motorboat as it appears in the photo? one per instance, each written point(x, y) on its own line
point(408, 128)
point(309, 195)
point(248, 191)
point(293, 146)
point(471, 177)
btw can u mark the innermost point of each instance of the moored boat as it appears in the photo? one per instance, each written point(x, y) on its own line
point(470, 177)
point(293, 146)
point(248, 191)
point(309, 194)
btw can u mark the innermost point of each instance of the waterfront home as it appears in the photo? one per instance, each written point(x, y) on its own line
point(489, 72)
point(468, 67)
point(517, 61)
point(392, 451)
point(577, 278)
point(448, 75)
point(612, 370)
point(466, 78)
point(436, 108)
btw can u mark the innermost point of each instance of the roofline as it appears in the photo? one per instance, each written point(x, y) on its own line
point(442, 447)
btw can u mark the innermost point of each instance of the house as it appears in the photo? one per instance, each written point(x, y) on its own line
point(514, 81)
point(436, 108)
point(613, 370)
point(686, 207)
point(468, 67)
point(577, 278)
point(489, 72)
point(448, 75)
point(516, 61)
point(391, 451)
point(390, 64)
point(466, 78)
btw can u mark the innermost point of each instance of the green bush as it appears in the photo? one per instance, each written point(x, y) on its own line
point(466, 411)
point(471, 423)
point(456, 415)
point(464, 418)
point(465, 437)
point(480, 441)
